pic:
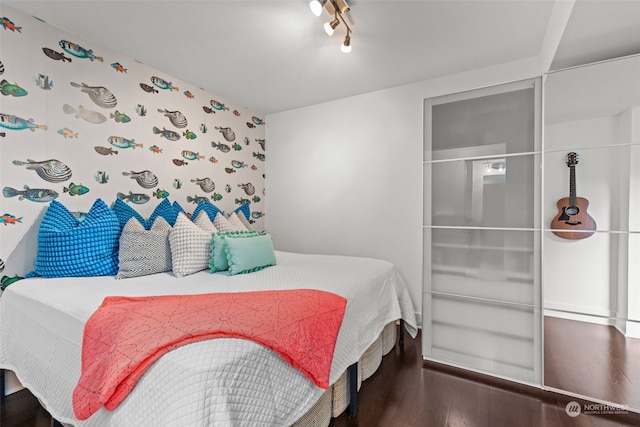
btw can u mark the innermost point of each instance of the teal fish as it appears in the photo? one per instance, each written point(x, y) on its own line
point(78, 51)
point(256, 215)
point(190, 155)
point(216, 197)
point(162, 83)
point(218, 105)
point(6, 281)
point(257, 121)
point(188, 134)
point(41, 195)
point(120, 142)
point(238, 164)
point(120, 117)
point(11, 89)
point(137, 198)
point(11, 121)
point(255, 199)
point(236, 146)
point(75, 189)
point(161, 194)
point(67, 133)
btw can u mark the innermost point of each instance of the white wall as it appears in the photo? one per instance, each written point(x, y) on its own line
point(345, 177)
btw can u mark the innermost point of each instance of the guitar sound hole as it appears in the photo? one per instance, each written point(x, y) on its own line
point(572, 210)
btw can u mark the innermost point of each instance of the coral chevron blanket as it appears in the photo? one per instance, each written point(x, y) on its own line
point(126, 335)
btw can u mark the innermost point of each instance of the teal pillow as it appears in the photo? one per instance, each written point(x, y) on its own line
point(247, 254)
point(71, 248)
point(218, 260)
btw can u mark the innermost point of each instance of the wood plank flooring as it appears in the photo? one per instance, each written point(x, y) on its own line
point(407, 392)
point(592, 360)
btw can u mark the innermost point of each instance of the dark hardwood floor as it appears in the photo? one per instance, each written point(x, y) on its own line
point(407, 392)
point(609, 367)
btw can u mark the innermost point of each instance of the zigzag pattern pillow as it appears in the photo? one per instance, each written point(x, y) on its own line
point(70, 248)
point(190, 246)
point(144, 252)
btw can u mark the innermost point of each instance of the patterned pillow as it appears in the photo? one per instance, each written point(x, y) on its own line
point(144, 252)
point(190, 247)
point(207, 207)
point(249, 253)
point(165, 209)
point(218, 260)
point(70, 248)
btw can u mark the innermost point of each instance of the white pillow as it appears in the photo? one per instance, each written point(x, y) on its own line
point(222, 224)
point(236, 222)
point(203, 221)
point(190, 247)
point(144, 252)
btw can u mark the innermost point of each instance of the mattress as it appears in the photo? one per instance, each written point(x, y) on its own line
point(217, 382)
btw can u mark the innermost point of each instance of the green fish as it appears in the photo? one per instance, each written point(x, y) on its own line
point(75, 190)
point(11, 89)
point(120, 117)
point(161, 194)
point(216, 197)
point(189, 135)
point(237, 146)
point(6, 281)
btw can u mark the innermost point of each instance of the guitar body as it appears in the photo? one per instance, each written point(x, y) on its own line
point(574, 225)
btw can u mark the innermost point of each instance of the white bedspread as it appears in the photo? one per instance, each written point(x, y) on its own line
point(216, 382)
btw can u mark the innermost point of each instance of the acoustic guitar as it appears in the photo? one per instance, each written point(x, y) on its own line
point(573, 218)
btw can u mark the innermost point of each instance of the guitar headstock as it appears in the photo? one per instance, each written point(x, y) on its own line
point(572, 159)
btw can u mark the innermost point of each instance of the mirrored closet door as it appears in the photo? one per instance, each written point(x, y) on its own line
point(591, 280)
point(482, 230)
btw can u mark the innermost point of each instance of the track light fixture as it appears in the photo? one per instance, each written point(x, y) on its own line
point(335, 8)
point(316, 6)
point(329, 27)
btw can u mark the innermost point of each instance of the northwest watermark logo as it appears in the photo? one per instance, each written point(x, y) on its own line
point(573, 409)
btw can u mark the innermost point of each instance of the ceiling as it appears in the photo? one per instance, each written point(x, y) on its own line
point(272, 56)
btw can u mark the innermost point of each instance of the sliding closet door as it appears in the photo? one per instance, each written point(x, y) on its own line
point(482, 231)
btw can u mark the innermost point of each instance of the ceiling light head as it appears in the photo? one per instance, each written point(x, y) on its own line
point(316, 6)
point(329, 27)
point(346, 46)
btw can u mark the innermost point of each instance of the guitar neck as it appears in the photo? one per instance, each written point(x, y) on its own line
point(572, 185)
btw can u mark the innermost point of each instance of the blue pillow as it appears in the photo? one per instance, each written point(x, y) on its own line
point(245, 209)
point(218, 259)
point(165, 209)
point(71, 248)
point(211, 210)
point(248, 254)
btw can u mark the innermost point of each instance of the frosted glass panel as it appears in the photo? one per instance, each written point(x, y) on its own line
point(495, 192)
point(490, 337)
point(491, 264)
point(495, 124)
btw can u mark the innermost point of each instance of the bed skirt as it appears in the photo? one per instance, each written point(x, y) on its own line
point(336, 399)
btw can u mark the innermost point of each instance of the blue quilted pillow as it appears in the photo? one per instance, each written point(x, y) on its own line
point(165, 209)
point(208, 207)
point(245, 209)
point(71, 248)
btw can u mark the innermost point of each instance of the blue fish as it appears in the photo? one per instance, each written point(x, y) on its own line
point(11, 121)
point(78, 51)
point(34, 194)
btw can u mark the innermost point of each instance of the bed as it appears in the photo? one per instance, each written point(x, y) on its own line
point(223, 381)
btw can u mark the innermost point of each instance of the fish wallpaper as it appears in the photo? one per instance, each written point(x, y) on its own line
point(79, 122)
